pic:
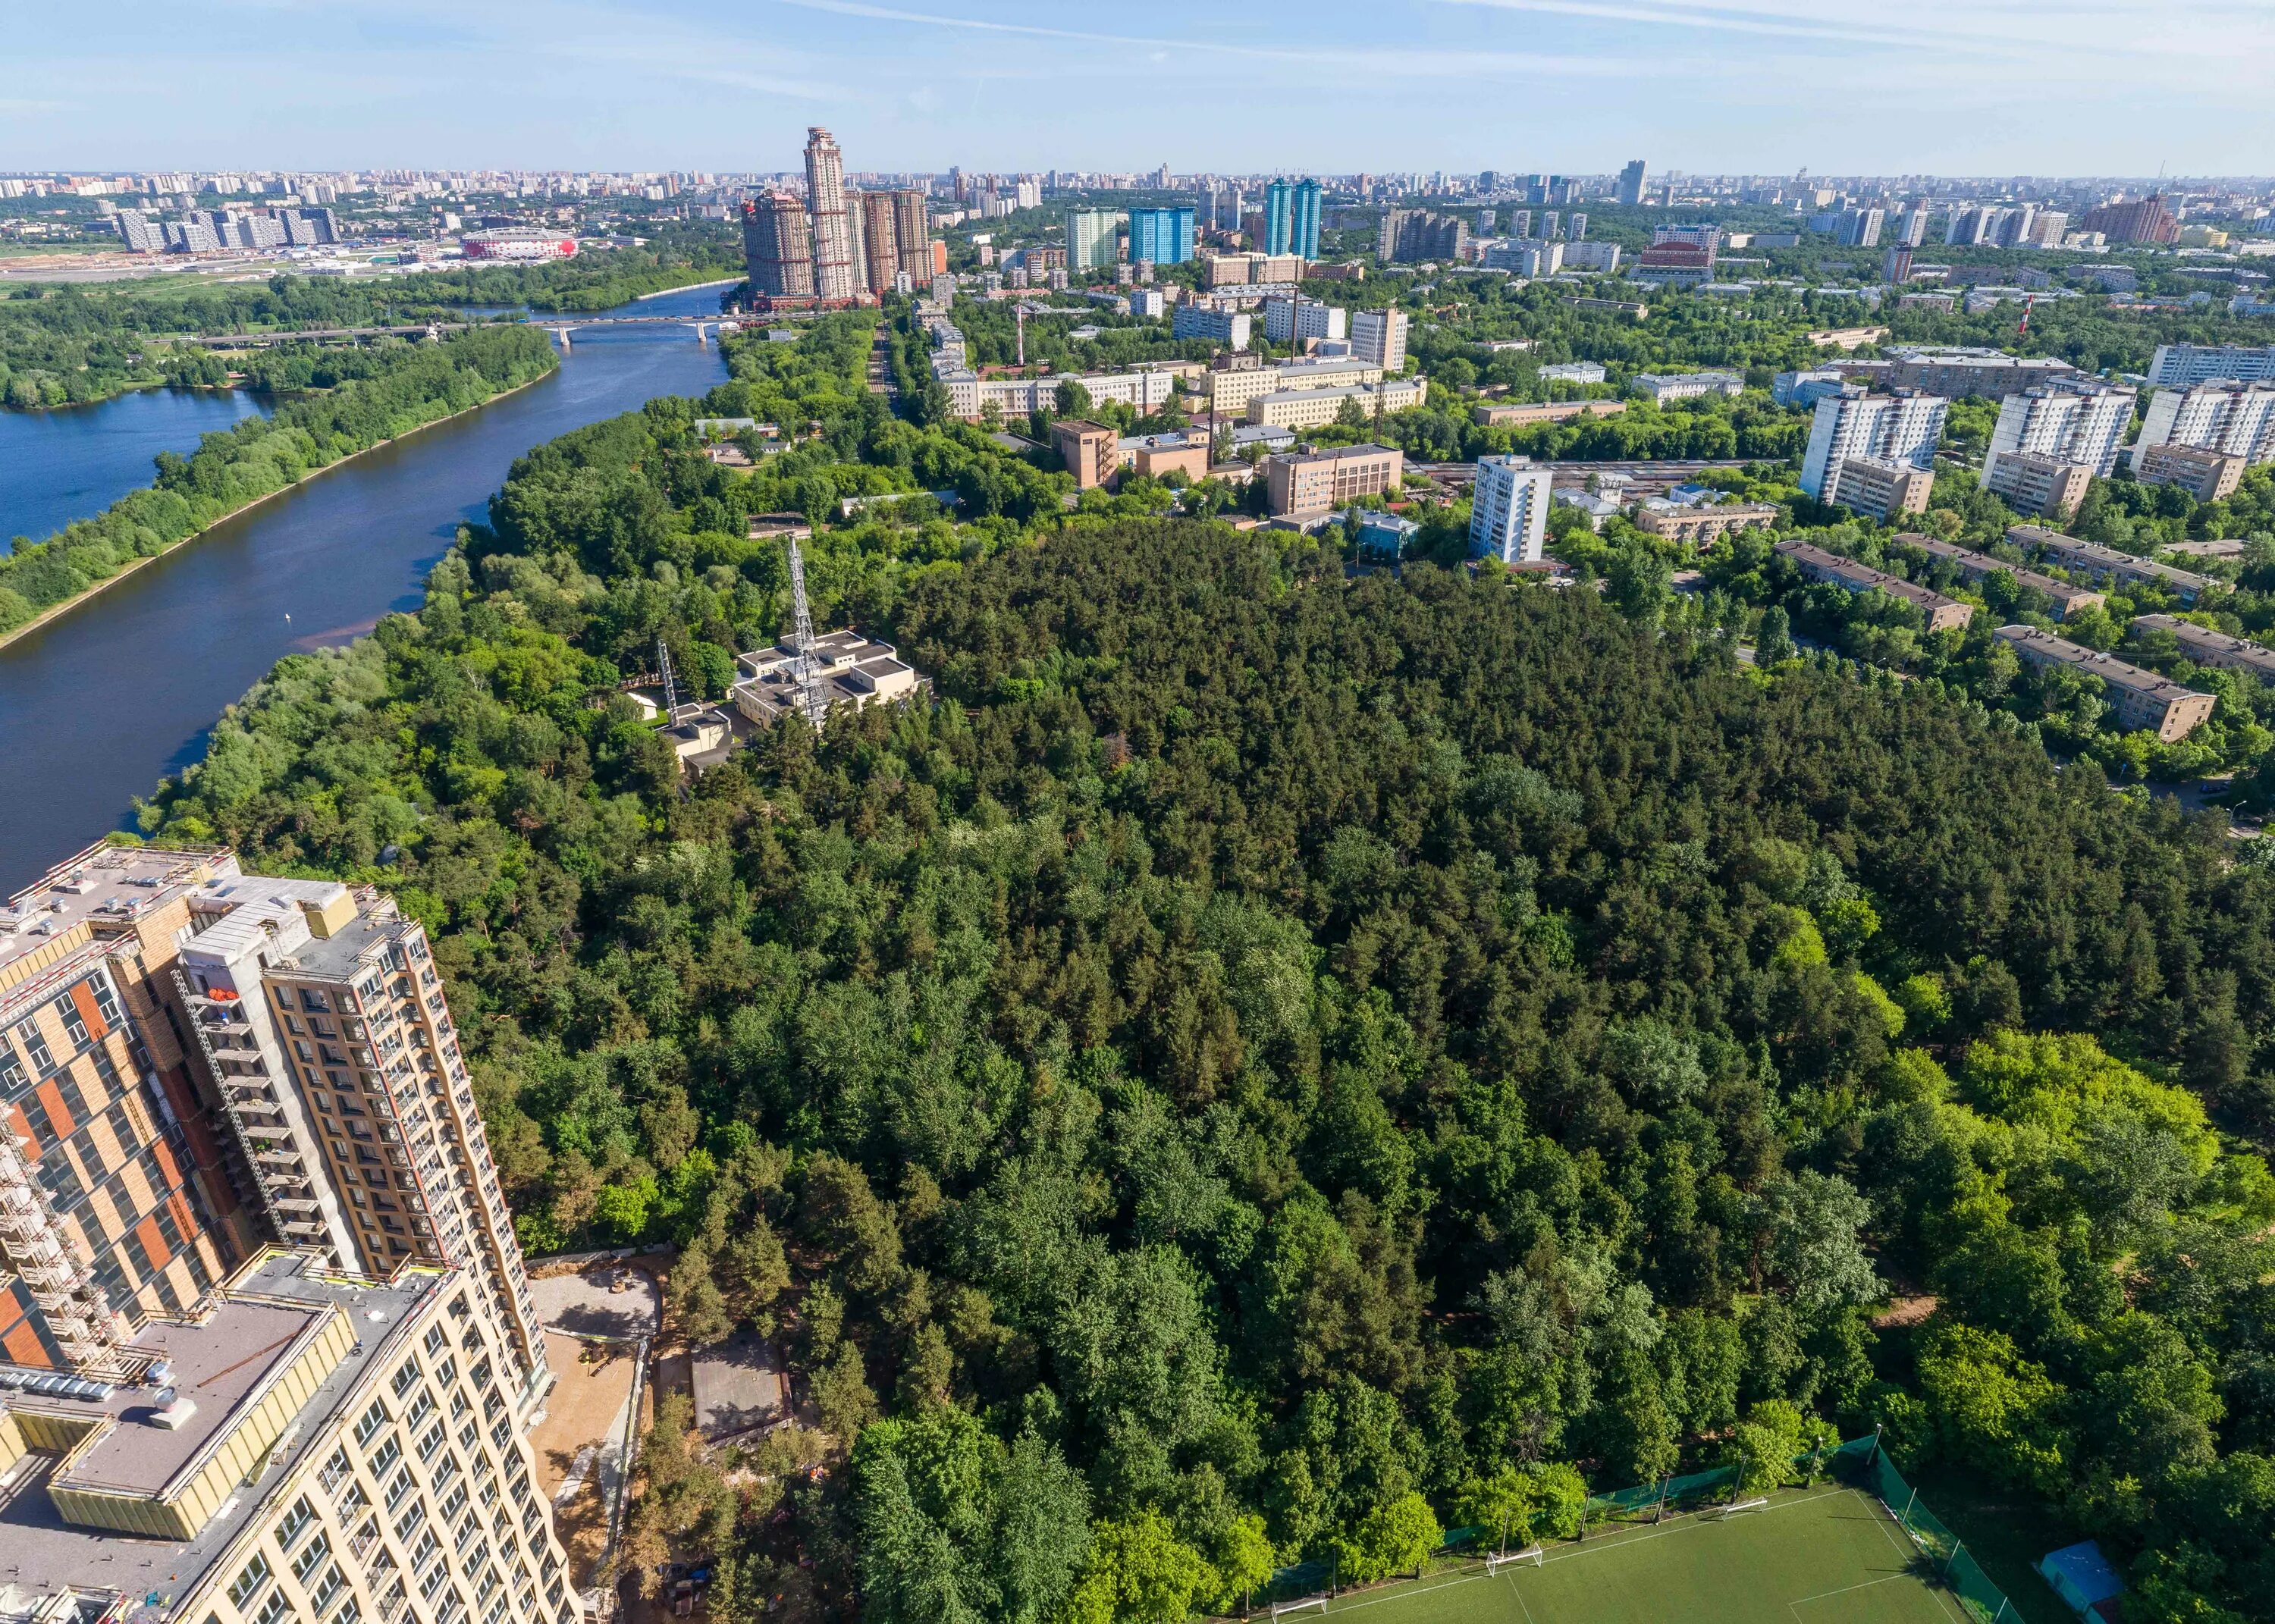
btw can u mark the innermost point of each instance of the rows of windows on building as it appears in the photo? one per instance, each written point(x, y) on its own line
point(211, 230)
point(246, 1199)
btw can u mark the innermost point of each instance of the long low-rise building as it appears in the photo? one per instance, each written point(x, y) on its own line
point(2140, 699)
point(1991, 374)
point(1703, 527)
point(1820, 565)
point(1509, 414)
point(1665, 387)
point(2106, 564)
point(2209, 646)
point(2068, 598)
point(1317, 408)
point(1229, 388)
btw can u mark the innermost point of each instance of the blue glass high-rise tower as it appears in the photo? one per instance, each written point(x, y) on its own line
point(1164, 235)
point(1291, 218)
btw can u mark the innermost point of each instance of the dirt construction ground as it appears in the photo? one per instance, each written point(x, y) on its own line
point(585, 1409)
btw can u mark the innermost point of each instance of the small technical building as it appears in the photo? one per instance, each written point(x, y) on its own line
point(852, 670)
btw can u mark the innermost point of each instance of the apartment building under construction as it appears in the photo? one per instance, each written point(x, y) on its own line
point(267, 1347)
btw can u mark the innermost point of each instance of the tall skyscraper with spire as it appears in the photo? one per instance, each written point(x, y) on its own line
point(836, 270)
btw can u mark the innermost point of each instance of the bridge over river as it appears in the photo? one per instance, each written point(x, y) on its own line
point(560, 326)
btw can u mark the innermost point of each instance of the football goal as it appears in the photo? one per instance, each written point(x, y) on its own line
point(1731, 1510)
point(1496, 1561)
point(1281, 1609)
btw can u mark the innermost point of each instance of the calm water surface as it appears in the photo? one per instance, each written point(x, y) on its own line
point(97, 708)
point(57, 466)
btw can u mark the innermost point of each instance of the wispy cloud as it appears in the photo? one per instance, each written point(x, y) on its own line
point(2113, 30)
point(1400, 62)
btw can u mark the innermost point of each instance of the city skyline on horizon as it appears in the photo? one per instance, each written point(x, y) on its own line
point(1570, 86)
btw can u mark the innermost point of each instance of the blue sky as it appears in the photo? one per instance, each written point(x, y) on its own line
point(1954, 86)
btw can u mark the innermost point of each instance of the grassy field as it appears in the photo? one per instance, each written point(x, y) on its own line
point(1825, 1555)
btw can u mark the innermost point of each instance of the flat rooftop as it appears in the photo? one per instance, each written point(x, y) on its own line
point(216, 1365)
point(106, 886)
point(257, 1323)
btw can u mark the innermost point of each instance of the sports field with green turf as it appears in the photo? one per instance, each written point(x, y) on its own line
point(1824, 1555)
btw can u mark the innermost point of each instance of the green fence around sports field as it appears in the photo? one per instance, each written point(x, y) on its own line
point(1860, 1462)
point(1878, 1475)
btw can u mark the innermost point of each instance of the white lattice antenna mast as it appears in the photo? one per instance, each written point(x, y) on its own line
point(807, 673)
point(670, 688)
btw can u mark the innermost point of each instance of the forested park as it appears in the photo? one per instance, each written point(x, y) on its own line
point(1272, 1063)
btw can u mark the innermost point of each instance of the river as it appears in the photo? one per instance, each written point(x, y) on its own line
point(99, 706)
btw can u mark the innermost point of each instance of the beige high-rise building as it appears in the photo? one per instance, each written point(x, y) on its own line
point(200, 1061)
point(777, 248)
point(881, 239)
point(322, 1019)
point(912, 230)
point(116, 1203)
point(836, 267)
point(194, 1059)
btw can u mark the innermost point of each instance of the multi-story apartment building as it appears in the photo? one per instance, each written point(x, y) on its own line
point(1218, 325)
point(836, 261)
point(1818, 564)
point(2179, 365)
point(2106, 564)
point(1881, 490)
point(777, 252)
point(115, 1204)
point(292, 1070)
point(1314, 481)
point(2207, 476)
point(2206, 646)
point(193, 1059)
point(1089, 239)
point(1378, 338)
point(1161, 235)
point(1703, 527)
point(2228, 415)
point(1853, 424)
point(2065, 598)
point(1294, 320)
point(2146, 220)
point(1508, 511)
point(2138, 699)
point(2044, 487)
point(1955, 373)
point(2072, 419)
point(1408, 236)
point(1634, 178)
point(1291, 218)
point(881, 240)
point(321, 1017)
